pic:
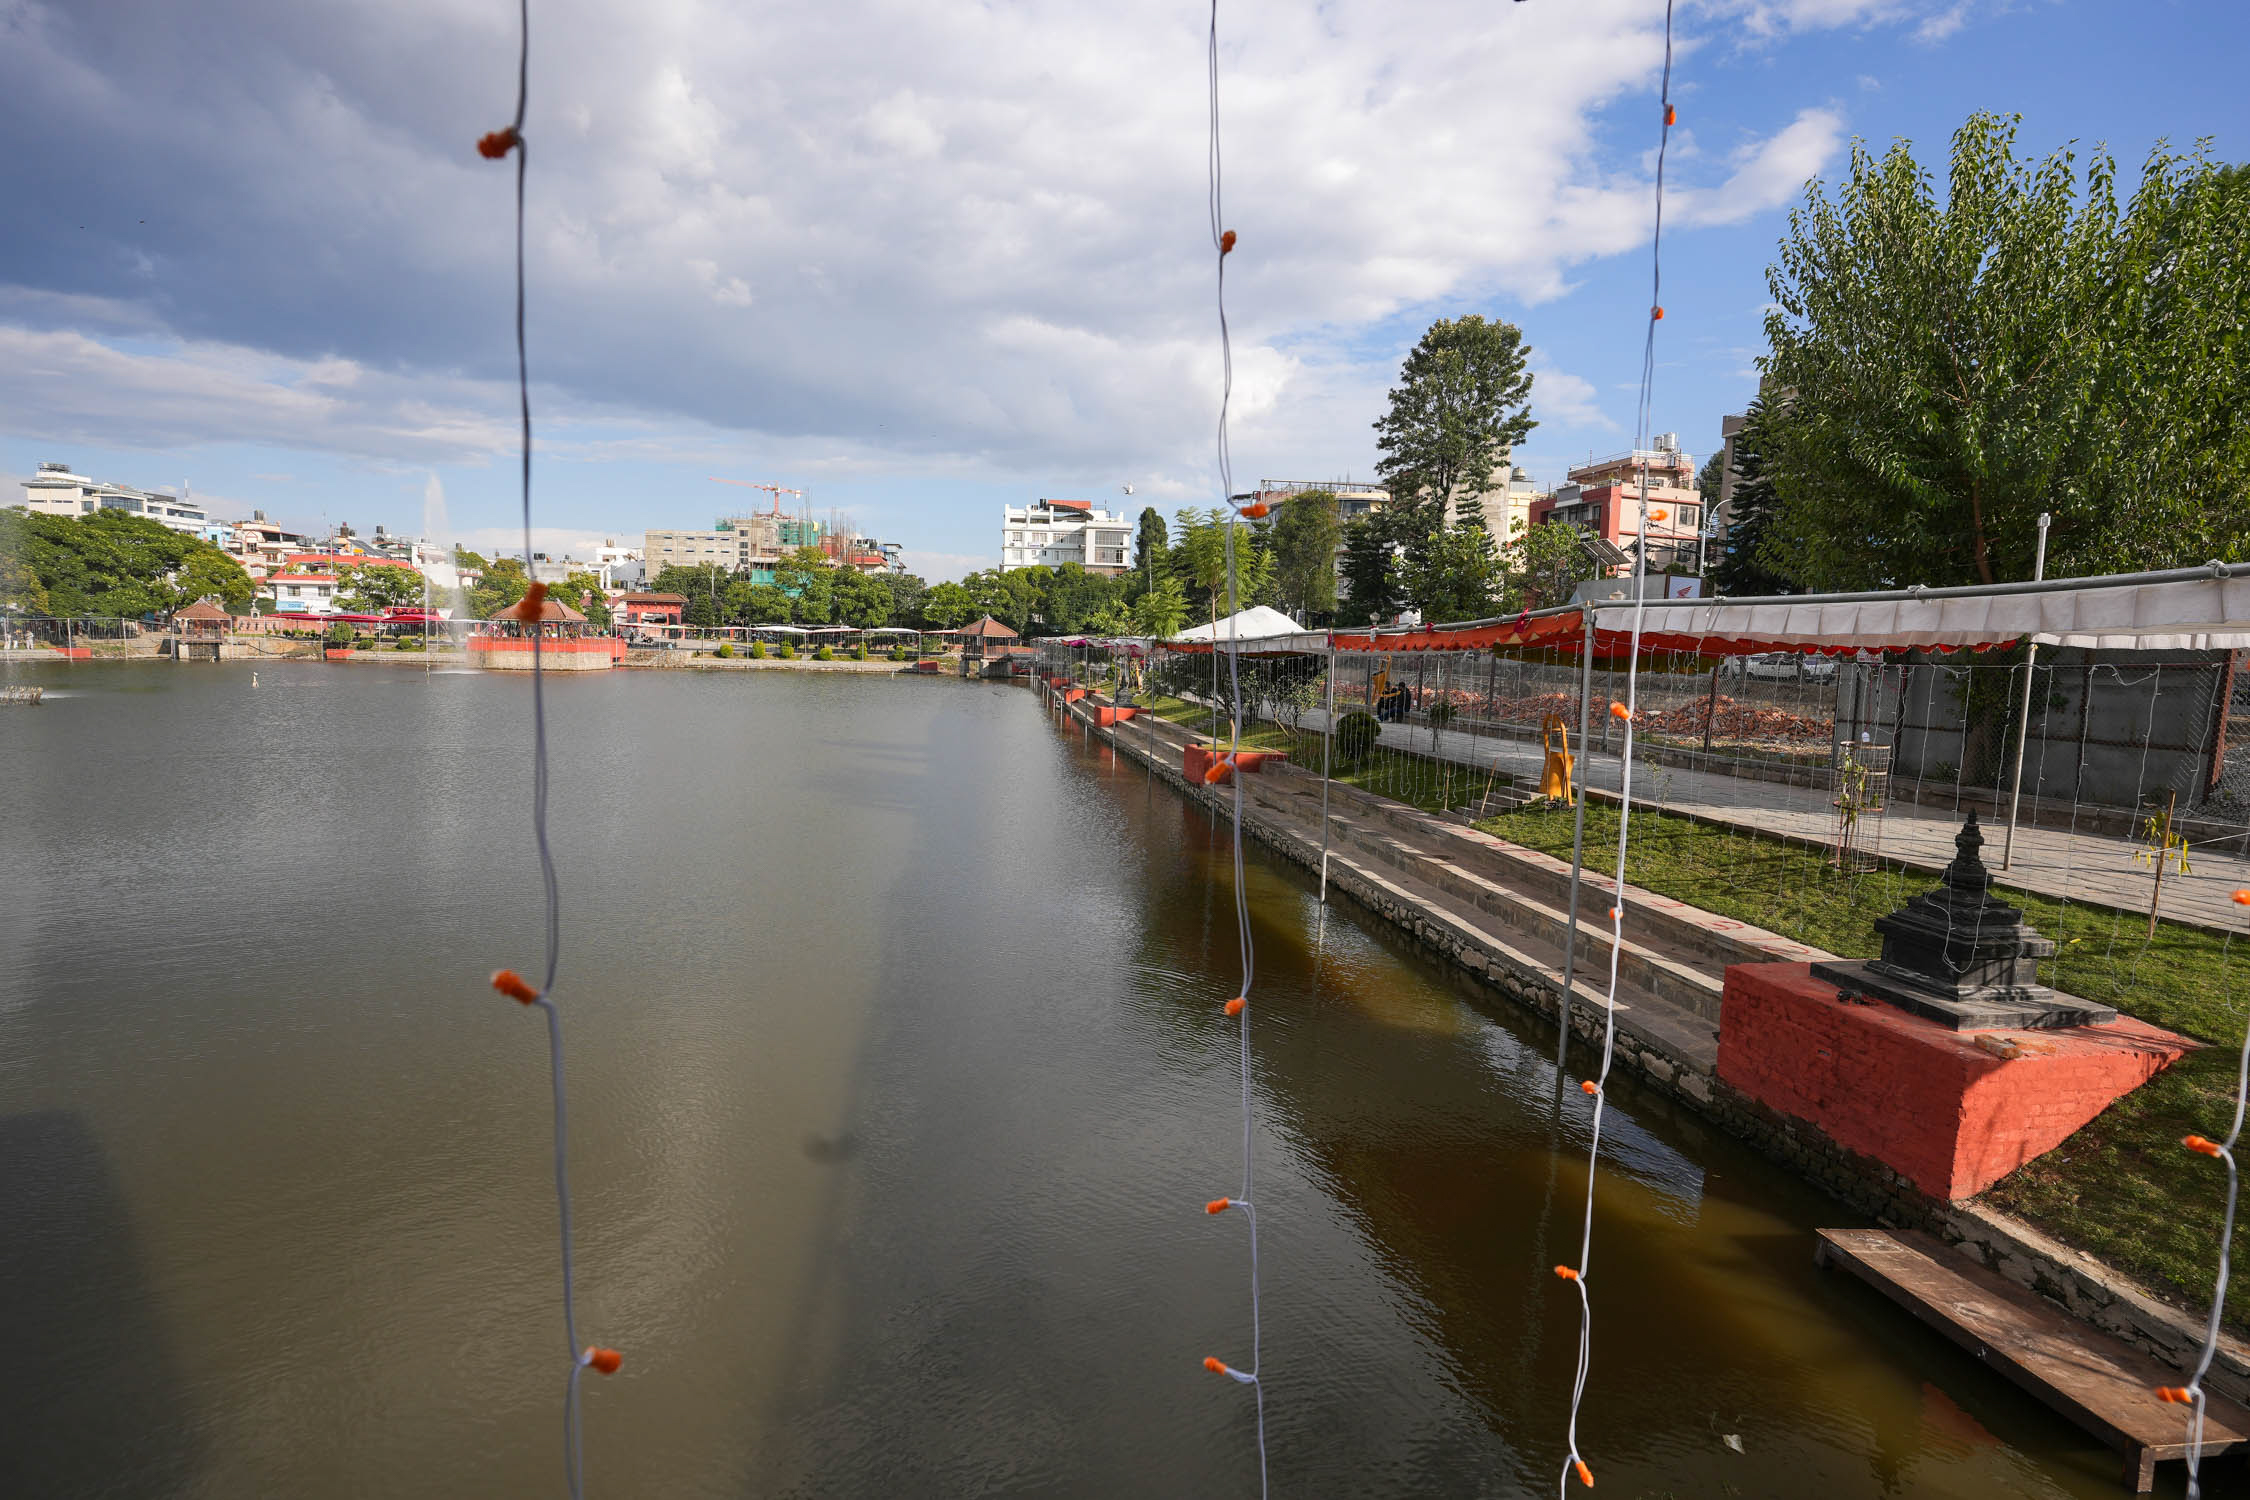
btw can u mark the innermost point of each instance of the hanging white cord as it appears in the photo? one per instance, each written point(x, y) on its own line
point(1222, 242)
point(1597, 1087)
point(2192, 1394)
point(529, 611)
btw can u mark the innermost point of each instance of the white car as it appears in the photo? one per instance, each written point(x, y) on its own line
point(1791, 665)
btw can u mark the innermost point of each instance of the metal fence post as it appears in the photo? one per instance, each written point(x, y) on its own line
point(1327, 747)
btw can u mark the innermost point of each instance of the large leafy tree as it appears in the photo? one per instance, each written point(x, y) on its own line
point(1305, 533)
point(1160, 611)
point(948, 606)
point(907, 593)
point(1199, 561)
point(115, 563)
point(705, 587)
point(1462, 401)
point(583, 592)
point(367, 588)
point(1740, 568)
point(1458, 575)
point(1945, 370)
point(504, 582)
point(1545, 563)
point(862, 600)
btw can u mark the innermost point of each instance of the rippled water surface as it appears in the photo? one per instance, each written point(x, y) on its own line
point(898, 1081)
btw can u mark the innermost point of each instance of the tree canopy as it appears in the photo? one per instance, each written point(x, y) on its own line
point(1545, 563)
point(1942, 371)
point(112, 562)
point(369, 588)
point(1462, 401)
point(1306, 530)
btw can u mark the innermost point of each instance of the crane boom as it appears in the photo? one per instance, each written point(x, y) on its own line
point(751, 484)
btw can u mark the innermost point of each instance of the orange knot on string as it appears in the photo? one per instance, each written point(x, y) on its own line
point(1671, 115)
point(1255, 509)
point(2242, 898)
point(1218, 771)
point(1620, 711)
point(1617, 914)
point(1585, 1475)
point(1658, 514)
point(508, 982)
point(605, 1361)
point(2198, 1143)
point(1216, 1365)
point(1566, 1273)
point(1234, 1006)
point(1226, 243)
point(1218, 1205)
point(498, 143)
point(1656, 315)
point(1589, 1087)
point(2178, 1395)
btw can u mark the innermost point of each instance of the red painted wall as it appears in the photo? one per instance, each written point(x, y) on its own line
point(1928, 1102)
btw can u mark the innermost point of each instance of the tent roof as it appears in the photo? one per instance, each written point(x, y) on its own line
point(988, 626)
point(202, 609)
point(1257, 623)
point(2187, 609)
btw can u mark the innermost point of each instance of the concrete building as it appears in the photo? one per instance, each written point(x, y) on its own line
point(1604, 498)
point(1507, 507)
point(1730, 428)
point(56, 491)
point(1049, 533)
point(1353, 500)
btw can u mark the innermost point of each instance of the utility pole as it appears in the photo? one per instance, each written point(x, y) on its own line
point(2023, 722)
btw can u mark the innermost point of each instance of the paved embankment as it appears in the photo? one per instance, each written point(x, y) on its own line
point(1501, 912)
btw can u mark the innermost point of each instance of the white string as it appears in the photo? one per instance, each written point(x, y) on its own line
point(2224, 1150)
point(1575, 1462)
point(1222, 242)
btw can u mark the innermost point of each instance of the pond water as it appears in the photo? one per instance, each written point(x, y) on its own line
point(899, 1081)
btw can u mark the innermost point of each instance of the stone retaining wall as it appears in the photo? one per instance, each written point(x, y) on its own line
point(1677, 1060)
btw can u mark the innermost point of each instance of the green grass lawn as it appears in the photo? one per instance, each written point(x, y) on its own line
point(2122, 1188)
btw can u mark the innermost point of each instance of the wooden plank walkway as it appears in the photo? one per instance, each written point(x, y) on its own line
point(2105, 1387)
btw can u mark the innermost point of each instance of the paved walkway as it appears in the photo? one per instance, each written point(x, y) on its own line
point(2081, 866)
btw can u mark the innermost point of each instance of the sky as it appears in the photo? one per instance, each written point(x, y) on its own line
point(922, 260)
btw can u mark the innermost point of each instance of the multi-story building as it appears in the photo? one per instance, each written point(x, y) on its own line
point(56, 491)
point(1730, 428)
point(260, 546)
point(1049, 533)
point(1506, 507)
point(1353, 500)
point(1604, 498)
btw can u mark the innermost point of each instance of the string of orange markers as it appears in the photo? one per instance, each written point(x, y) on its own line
point(1223, 769)
point(528, 611)
point(2191, 1394)
point(1574, 1462)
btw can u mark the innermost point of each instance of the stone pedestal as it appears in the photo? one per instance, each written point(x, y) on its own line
point(1952, 1114)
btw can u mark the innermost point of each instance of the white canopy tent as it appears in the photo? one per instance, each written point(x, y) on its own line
point(2188, 609)
point(1266, 629)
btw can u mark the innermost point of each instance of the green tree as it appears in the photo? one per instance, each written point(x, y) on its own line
point(1544, 564)
point(907, 593)
point(948, 606)
point(1075, 597)
point(862, 600)
point(370, 588)
point(1150, 544)
point(504, 583)
point(115, 563)
point(20, 587)
point(1306, 531)
point(583, 592)
point(1458, 575)
point(750, 603)
point(1946, 371)
point(707, 582)
point(1462, 401)
point(806, 577)
point(1740, 568)
point(1199, 559)
point(1374, 582)
point(1160, 611)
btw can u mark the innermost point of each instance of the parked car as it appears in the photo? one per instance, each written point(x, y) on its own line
point(1792, 666)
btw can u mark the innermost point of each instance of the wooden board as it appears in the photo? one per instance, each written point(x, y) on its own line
point(2104, 1386)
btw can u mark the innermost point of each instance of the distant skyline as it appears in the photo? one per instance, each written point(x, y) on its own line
point(254, 247)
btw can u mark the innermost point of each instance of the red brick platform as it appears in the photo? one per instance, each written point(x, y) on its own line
point(1952, 1112)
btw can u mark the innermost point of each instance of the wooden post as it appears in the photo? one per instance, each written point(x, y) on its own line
point(2163, 852)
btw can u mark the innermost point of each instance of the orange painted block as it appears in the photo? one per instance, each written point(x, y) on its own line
point(1953, 1112)
point(1110, 718)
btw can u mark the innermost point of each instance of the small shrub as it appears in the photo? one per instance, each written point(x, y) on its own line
point(787, 652)
point(725, 651)
point(859, 652)
point(339, 634)
point(898, 653)
point(757, 650)
point(1356, 733)
point(825, 653)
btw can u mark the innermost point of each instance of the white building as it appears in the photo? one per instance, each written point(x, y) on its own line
point(1049, 533)
point(56, 491)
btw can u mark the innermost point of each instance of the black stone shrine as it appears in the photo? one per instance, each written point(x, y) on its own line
point(1963, 959)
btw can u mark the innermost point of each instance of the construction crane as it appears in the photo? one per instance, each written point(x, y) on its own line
point(776, 490)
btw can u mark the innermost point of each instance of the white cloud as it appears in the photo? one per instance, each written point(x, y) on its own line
point(948, 567)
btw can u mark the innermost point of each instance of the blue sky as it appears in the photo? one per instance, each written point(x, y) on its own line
point(253, 251)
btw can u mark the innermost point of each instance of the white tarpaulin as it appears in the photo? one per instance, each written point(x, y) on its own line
point(2136, 612)
point(1257, 623)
